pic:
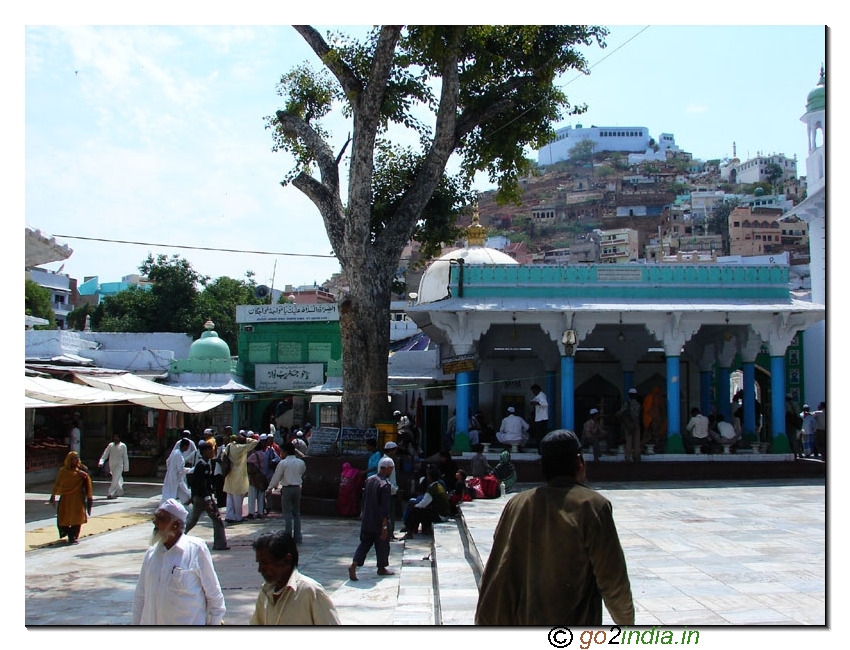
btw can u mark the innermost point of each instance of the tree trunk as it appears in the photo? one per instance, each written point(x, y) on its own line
point(364, 326)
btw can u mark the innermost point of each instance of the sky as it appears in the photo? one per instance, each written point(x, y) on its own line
point(151, 139)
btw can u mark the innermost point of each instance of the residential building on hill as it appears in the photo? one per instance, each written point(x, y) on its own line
point(759, 231)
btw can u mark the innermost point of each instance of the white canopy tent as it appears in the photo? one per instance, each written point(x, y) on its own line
point(43, 392)
point(147, 393)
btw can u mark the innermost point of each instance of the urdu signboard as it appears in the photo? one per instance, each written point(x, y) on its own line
point(288, 376)
point(287, 313)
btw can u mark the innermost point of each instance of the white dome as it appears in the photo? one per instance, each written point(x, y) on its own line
point(434, 284)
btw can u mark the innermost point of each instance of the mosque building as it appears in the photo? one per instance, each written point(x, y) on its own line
point(589, 333)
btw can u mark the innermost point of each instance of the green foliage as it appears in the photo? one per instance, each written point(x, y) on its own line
point(604, 172)
point(76, 320)
point(130, 310)
point(174, 293)
point(218, 302)
point(582, 151)
point(37, 303)
point(718, 220)
point(507, 100)
point(395, 172)
point(773, 172)
point(173, 304)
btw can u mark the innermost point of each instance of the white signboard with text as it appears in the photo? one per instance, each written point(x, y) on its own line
point(288, 376)
point(287, 313)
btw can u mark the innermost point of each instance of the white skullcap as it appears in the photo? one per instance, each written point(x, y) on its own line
point(386, 462)
point(594, 411)
point(390, 445)
point(175, 509)
point(186, 432)
point(510, 409)
point(264, 436)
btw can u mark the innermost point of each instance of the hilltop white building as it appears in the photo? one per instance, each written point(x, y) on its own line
point(634, 140)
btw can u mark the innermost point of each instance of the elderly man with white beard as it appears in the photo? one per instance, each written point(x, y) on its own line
point(177, 583)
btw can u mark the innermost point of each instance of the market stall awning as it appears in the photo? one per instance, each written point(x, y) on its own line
point(153, 395)
point(41, 392)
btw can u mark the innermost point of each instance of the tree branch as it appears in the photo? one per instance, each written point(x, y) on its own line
point(367, 117)
point(349, 81)
point(324, 194)
point(444, 143)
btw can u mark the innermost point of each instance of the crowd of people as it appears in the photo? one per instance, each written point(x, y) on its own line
point(178, 584)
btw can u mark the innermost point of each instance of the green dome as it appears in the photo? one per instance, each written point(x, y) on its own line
point(759, 191)
point(209, 346)
point(816, 101)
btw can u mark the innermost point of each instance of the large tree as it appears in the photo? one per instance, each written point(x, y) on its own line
point(483, 93)
point(37, 303)
point(180, 300)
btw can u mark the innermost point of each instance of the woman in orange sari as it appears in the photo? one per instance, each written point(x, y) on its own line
point(73, 485)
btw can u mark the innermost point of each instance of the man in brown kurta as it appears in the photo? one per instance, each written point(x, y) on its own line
point(556, 554)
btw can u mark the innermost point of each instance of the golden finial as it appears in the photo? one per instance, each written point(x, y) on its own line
point(476, 234)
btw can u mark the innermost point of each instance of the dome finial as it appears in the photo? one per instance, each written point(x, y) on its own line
point(476, 234)
point(209, 325)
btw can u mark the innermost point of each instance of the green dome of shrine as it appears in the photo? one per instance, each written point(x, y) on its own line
point(816, 101)
point(209, 346)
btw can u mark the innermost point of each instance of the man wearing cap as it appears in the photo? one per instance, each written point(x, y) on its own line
point(390, 451)
point(593, 433)
point(177, 583)
point(564, 577)
point(203, 497)
point(374, 521)
point(629, 417)
point(513, 430)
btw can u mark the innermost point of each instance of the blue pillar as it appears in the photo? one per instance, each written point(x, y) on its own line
point(473, 393)
point(779, 442)
point(674, 435)
point(568, 393)
point(628, 382)
point(551, 388)
point(463, 382)
point(724, 405)
point(749, 423)
point(705, 392)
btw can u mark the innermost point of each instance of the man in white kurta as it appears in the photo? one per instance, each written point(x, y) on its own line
point(177, 583)
point(174, 484)
point(116, 458)
point(514, 429)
